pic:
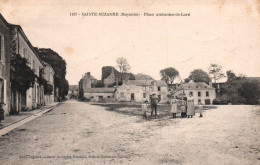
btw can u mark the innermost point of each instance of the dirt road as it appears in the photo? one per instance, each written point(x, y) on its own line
point(79, 133)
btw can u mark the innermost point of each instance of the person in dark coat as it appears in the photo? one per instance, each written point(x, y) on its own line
point(154, 102)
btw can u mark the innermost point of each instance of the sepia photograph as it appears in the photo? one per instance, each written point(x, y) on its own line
point(134, 82)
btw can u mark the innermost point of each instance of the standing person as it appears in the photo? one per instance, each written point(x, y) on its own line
point(190, 106)
point(144, 109)
point(2, 117)
point(200, 106)
point(154, 102)
point(183, 107)
point(174, 107)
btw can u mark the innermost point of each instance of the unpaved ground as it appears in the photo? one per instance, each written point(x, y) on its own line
point(227, 135)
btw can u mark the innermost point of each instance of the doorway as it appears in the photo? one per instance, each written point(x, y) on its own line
point(132, 96)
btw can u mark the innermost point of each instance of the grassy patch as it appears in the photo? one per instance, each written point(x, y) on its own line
point(134, 109)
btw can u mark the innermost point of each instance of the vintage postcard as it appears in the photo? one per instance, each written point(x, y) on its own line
point(130, 82)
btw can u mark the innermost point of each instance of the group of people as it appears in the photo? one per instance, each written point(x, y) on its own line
point(183, 107)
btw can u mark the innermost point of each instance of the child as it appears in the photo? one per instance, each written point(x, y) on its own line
point(144, 109)
point(174, 107)
point(200, 106)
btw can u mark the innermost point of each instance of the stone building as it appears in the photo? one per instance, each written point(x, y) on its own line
point(141, 90)
point(199, 90)
point(5, 88)
point(99, 94)
point(87, 82)
point(110, 76)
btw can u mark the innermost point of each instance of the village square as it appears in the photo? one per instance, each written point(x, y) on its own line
point(127, 99)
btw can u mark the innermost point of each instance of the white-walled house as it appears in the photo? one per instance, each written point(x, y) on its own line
point(141, 90)
point(199, 90)
point(99, 94)
point(33, 97)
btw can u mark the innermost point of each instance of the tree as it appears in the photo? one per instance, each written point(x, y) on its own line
point(59, 65)
point(21, 75)
point(199, 75)
point(169, 74)
point(250, 91)
point(230, 75)
point(123, 66)
point(216, 71)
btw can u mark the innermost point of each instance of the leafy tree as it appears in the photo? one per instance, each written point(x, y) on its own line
point(199, 75)
point(123, 66)
point(240, 90)
point(169, 74)
point(231, 75)
point(59, 66)
point(21, 76)
point(216, 71)
point(250, 91)
point(186, 80)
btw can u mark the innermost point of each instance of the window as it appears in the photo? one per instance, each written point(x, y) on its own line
point(144, 95)
point(144, 88)
point(1, 47)
point(122, 94)
point(159, 88)
point(29, 60)
point(24, 52)
point(207, 93)
point(191, 93)
point(159, 97)
point(33, 64)
point(199, 94)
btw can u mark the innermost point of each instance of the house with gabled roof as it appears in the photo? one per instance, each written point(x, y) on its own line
point(141, 90)
point(99, 94)
point(199, 90)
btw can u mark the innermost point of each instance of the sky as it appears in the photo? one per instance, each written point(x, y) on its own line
point(224, 32)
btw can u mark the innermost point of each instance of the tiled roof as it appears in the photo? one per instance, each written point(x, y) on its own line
point(73, 87)
point(146, 82)
point(100, 90)
point(195, 86)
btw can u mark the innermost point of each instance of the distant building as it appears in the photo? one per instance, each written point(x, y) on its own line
point(99, 94)
point(141, 90)
point(5, 53)
point(110, 76)
point(73, 91)
point(87, 81)
point(89, 91)
point(199, 90)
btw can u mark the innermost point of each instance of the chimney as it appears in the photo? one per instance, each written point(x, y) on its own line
point(210, 83)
